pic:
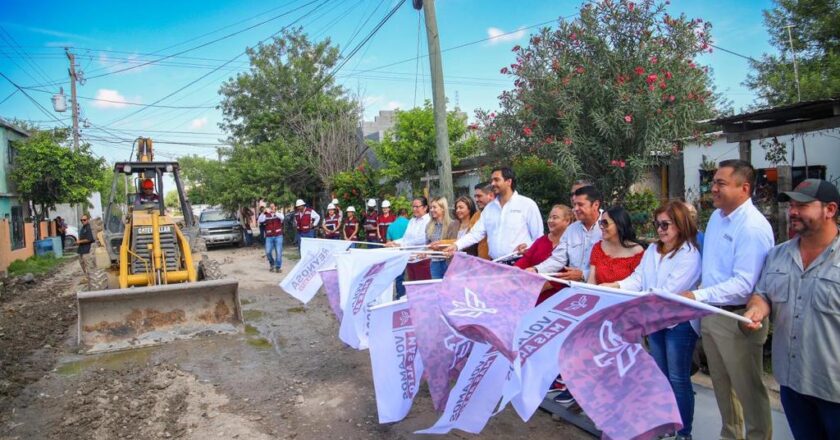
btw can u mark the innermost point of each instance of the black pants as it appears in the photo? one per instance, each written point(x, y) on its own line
point(809, 417)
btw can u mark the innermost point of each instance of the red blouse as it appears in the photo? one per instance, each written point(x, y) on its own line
point(609, 269)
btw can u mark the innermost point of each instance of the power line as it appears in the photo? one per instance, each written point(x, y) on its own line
point(87, 98)
point(43, 110)
point(226, 63)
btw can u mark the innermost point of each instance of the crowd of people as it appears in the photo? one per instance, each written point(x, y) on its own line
point(732, 265)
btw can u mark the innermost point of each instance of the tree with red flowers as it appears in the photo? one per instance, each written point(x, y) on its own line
point(605, 96)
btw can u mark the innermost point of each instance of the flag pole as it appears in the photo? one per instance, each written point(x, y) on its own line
point(669, 296)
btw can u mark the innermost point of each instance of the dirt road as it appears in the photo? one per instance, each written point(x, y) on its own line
point(286, 376)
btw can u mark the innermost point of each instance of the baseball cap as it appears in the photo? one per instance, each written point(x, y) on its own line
point(810, 190)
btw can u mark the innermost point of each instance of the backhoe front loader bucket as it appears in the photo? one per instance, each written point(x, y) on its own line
point(120, 319)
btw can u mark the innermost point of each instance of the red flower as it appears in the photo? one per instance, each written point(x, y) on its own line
point(631, 6)
point(668, 75)
point(549, 140)
point(504, 71)
point(628, 118)
point(639, 70)
point(536, 40)
point(567, 141)
point(579, 69)
point(516, 48)
point(492, 138)
point(573, 36)
point(614, 163)
point(653, 60)
point(621, 164)
point(651, 87)
point(527, 131)
point(651, 78)
point(492, 115)
point(473, 126)
point(672, 98)
point(662, 85)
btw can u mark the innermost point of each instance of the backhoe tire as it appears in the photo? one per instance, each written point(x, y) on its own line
point(209, 270)
point(98, 278)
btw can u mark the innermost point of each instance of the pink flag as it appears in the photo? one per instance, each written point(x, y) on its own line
point(443, 350)
point(485, 300)
point(330, 279)
point(610, 374)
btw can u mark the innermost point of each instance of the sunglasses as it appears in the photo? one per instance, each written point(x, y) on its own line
point(604, 224)
point(84, 219)
point(662, 225)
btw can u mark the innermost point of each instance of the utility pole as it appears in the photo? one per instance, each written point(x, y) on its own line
point(438, 99)
point(73, 101)
point(75, 108)
point(795, 64)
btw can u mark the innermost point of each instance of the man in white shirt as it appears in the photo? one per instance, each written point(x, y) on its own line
point(571, 257)
point(415, 232)
point(738, 238)
point(508, 221)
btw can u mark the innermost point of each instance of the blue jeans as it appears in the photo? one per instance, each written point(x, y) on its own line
point(274, 245)
point(810, 417)
point(249, 237)
point(672, 349)
point(308, 234)
point(438, 268)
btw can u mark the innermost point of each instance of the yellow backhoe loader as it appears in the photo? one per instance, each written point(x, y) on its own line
point(152, 282)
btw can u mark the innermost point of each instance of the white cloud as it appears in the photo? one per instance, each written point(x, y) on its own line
point(369, 101)
point(109, 99)
point(393, 105)
point(497, 35)
point(131, 61)
point(198, 123)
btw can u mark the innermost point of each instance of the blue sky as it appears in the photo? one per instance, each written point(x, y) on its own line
point(109, 36)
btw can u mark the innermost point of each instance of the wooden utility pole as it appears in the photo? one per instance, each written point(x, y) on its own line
point(73, 101)
point(444, 162)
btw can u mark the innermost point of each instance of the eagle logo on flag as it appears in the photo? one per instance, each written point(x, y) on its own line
point(617, 351)
point(472, 307)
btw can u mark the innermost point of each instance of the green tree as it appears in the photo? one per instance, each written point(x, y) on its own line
point(408, 149)
point(48, 173)
point(354, 187)
point(292, 127)
point(172, 201)
point(816, 40)
point(604, 96)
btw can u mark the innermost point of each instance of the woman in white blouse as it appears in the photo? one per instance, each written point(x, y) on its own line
point(672, 265)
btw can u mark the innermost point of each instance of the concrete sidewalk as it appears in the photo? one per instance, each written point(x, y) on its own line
point(707, 418)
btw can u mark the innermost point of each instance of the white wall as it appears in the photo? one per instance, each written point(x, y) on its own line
point(822, 147)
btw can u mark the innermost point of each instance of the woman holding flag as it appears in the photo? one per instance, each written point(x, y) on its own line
point(439, 228)
point(672, 265)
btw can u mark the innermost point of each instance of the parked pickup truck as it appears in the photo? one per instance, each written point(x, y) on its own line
point(218, 227)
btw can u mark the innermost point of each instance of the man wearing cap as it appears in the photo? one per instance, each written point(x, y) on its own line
point(147, 193)
point(738, 238)
point(800, 287)
point(332, 224)
point(385, 220)
point(371, 222)
point(306, 220)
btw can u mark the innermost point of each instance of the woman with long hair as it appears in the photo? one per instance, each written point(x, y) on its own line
point(672, 265)
point(438, 229)
point(332, 223)
point(618, 253)
point(464, 212)
point(351, 225)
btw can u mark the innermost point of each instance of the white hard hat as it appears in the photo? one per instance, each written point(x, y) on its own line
point(334, 201)
point(299, 203)
point(386, 204)
point(330, 206)
point(351, 209)
point(371, 203)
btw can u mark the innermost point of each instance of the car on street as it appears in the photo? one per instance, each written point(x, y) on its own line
point(218, 227)
point(71, 235)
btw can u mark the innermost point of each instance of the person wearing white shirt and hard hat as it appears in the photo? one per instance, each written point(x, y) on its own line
point(306, 221)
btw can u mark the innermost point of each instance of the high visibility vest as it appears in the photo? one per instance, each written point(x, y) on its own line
point(384, 222)
point(349, 226)
point(371, 225)
point(273, 225)
point(331, 224)
point(304, 220)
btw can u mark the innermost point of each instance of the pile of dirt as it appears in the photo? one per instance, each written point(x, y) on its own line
point(34, 322)
point(148, 402)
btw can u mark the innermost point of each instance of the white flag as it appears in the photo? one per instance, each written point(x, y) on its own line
point(363, 276)
point(304, 281)
point(395, 360)
point(475, 394)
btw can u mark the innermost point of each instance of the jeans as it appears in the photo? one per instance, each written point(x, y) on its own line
point(308, 234)
point(810, 417)
point(249, 237)
point(274, 245)
point(438, 268)
point(399, 284)
point(672, 349)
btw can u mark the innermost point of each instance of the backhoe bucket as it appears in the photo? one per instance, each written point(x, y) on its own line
point(119, 319)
